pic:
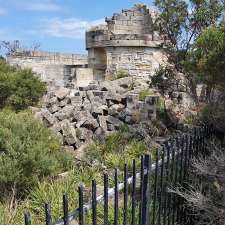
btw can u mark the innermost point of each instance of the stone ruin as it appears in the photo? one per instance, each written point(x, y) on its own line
point(56, 69)
point(128, 42)
point(77, 116)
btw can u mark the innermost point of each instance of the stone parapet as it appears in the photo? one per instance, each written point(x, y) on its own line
point(49, 57)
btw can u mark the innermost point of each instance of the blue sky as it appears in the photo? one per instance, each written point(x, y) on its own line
point(58, 25)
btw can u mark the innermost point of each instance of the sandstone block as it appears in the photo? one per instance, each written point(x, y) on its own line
point(48, 117)
point(64, 102)
point(54, 108)
point(90, 124)
point(69, 132)
point(76, 100)
point(115, 109)
point(83, 134)
point(114, 121)
point(102, 122)
point(61, 93)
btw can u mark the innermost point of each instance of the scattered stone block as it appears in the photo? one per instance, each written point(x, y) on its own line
point(61, 93)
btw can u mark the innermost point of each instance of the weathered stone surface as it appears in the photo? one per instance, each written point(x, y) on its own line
point(115, 109)
point(131, 101)
point(90, 124)
point(51, 101)
point(64, 102)
point(76, 100)
point(69, 132)
point(79, 115)
point(89, 114)
point(48, 117)
point(84, 134)
point(61, 93)
point(114, 121)
point(102, 122)
point(54, 108)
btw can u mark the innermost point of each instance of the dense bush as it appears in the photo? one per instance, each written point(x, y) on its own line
point(28, 152)
point(206, 195)
point(19, 88)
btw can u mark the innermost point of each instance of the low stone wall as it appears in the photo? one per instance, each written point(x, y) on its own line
point(50, 67)
point(50, 57)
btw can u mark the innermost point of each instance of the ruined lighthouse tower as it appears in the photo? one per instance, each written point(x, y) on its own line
point(127, 42)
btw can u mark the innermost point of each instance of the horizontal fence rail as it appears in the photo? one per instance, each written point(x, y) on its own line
point(146, 197)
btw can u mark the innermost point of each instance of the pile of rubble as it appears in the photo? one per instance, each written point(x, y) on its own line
point(77, 116)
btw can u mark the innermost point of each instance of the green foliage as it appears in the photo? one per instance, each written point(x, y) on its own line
point(145, 93)
point(192, 120)
point(207, 59)
point(28, 152)
point(19, 88)
point(117, 149)
point(183, 21)
point(120, 74)
point(173, 15)
point(160, 107)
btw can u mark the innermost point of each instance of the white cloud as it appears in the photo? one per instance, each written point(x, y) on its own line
point(42, 7)
point(3, 11)
point(67, 28)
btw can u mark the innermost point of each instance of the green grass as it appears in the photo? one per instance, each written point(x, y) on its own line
point(160, 107)
point(116, 150)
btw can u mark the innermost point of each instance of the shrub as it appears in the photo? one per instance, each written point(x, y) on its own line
point(19, 88)
point(144, 93)
point(120, 74)
point(116, 150)
point(160, 107)
point(28, 152)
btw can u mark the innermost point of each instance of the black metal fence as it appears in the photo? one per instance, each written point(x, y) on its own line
point(144, 197)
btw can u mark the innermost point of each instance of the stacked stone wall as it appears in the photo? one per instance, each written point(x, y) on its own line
point(137, 61)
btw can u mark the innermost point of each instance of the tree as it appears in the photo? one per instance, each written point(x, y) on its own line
point(14, 47)
point(19, 88)
point(182, 22)
point(207, 58)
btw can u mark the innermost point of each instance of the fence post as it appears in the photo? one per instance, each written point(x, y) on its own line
point(161, 186)
point(81, 205)
point(171, 196)
point(155, 187)
point(27, 219)
point(141, 189)
point(106, 198)
point(65, 209)
point(145, 184)
point(166, 197)
point(149, 191)
point(175, 199)
point(116, 197)
point(181, 160)
point(48, 219)
point(133, 222)
point(125, 197)
point(94, 203)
